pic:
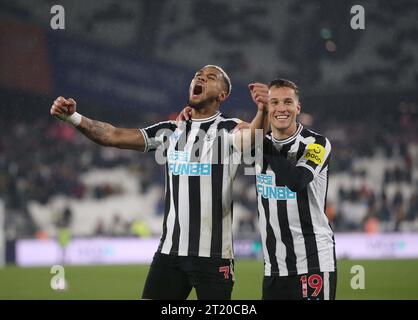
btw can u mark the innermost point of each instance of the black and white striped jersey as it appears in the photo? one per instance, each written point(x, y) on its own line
point(295, 231)
point(201, 164)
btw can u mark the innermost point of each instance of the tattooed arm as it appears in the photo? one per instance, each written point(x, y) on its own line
point(100, 132)
point(107, 135)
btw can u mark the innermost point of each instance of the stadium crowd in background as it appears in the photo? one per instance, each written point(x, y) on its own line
point(33, 168)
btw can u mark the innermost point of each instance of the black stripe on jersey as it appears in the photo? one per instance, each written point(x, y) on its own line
point(326, 192)
point(176, 230)
point(307, 230)
point(286, 234)
point(335, 255)
point(217, 212)
point(152, 130)
point(194, 215)
point(301, 150)
point(306, 133)
point(228, 125)
point(326, 162)
point(270, 238)
point(167, 208)
point(320, 139)
point(194, 195)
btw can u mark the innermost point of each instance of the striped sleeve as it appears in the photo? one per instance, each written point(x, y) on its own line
point(229, 125)
point(316, 155)
point(154, 135)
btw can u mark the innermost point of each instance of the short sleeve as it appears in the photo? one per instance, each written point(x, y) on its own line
point(154, 135)
point(232, 134)
point(233, 137)
point(316, 155)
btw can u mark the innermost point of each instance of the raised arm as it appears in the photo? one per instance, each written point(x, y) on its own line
point(100, 132)
point(245, 132)
point(259, 94)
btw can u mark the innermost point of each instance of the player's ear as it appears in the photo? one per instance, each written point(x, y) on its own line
point(298, 107)
point(222, 96)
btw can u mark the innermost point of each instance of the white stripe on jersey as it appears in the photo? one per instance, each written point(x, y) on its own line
point(205, 216)
point(263, 233)
point(184, 212)
point(326, 285)
point(227, 249)
point(316, 192)
point(170, 220)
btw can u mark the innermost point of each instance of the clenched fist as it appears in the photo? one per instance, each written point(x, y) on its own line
point(259, 93)
point(65, 110)
point(62, 108)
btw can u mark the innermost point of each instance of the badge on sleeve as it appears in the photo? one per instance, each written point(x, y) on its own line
point(316, 153)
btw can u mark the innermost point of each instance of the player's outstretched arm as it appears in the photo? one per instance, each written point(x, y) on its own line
point(100, 132)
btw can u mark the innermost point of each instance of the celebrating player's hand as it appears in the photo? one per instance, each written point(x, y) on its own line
point(259, 93)
point(242, 125)
point(63, 108)
point(184, 115)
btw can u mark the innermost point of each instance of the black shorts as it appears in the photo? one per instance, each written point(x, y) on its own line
point(173, 277)
point(310, 286)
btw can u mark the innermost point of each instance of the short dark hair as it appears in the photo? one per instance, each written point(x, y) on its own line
point(227, 80)
point(280, 83)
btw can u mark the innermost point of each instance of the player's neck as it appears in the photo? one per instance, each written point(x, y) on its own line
point(205, 112)
point(283, 134)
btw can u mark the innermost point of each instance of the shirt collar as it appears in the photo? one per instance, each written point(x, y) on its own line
point(207, 119)
point(291, 138)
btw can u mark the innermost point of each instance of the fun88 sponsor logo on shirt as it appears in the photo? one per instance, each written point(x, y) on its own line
point(178, 164)
point(267, 190)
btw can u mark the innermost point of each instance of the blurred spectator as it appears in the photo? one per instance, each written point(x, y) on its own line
point(371, 226)
point(383, 212)
point(412, 213)
point(64, 231)
point(118, 227)
point(353, 211)
point(100, 229)
point(398, 207)
point(140, 229)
